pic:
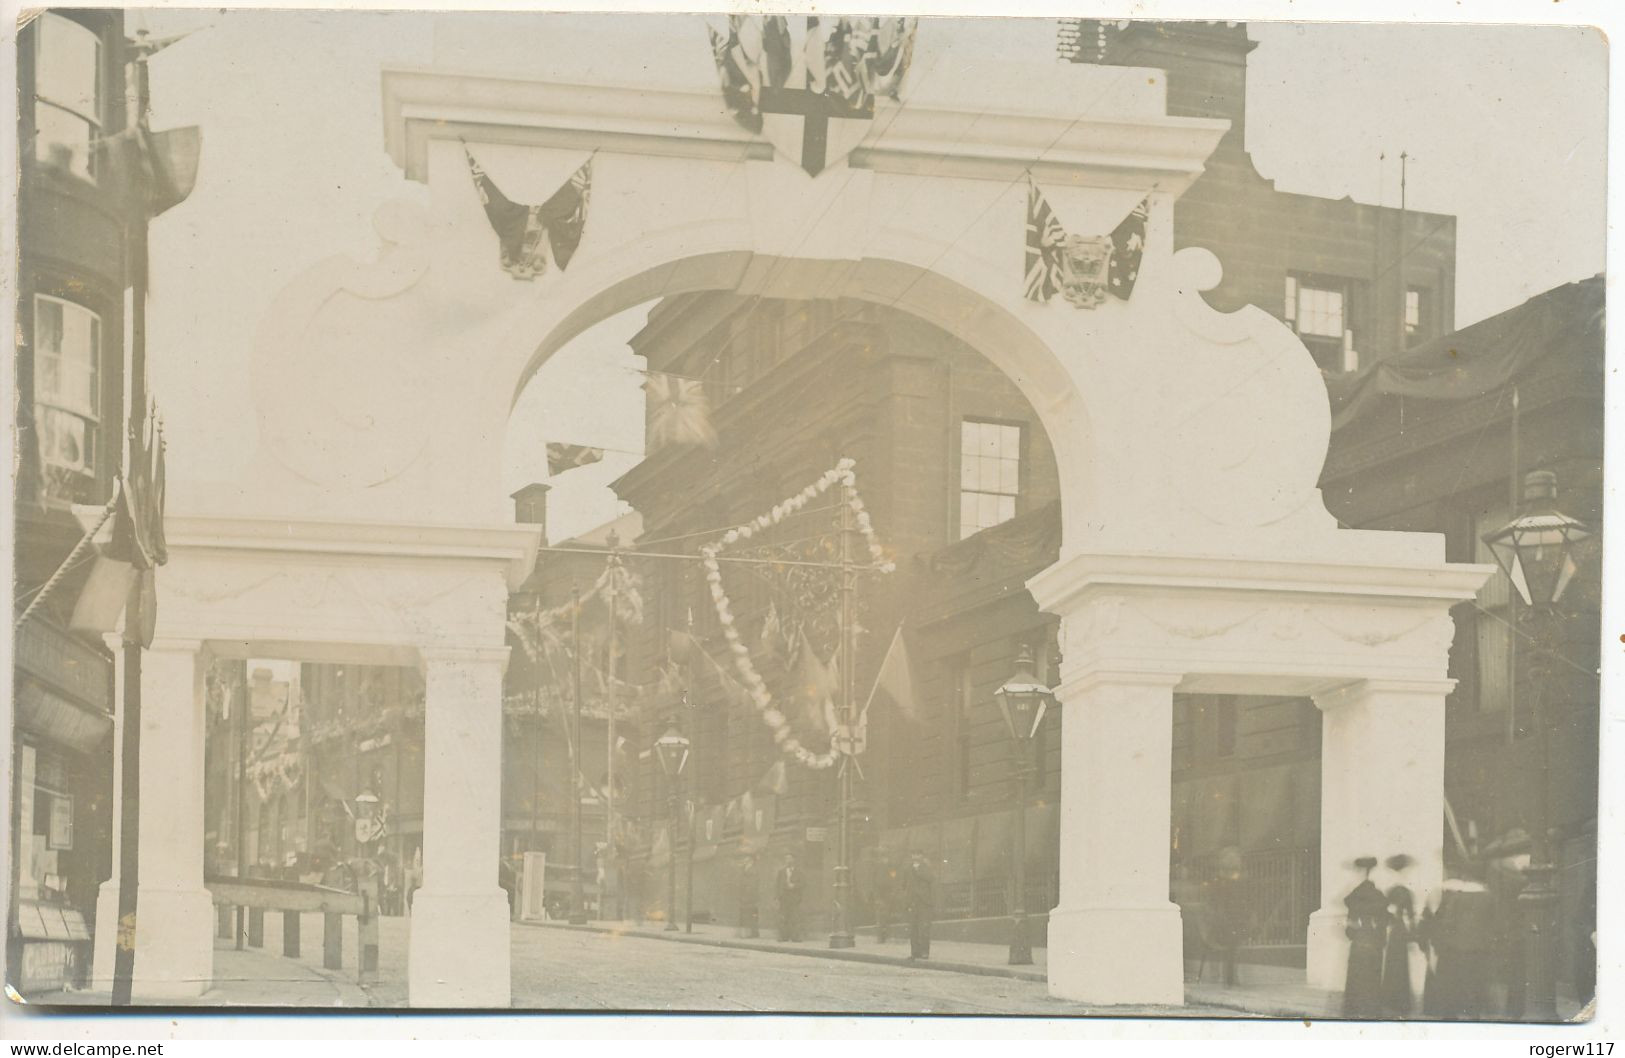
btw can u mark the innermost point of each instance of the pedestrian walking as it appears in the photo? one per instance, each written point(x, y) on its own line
point(1398, 993)
point(920, 893)
point(1367, 929)
point(789, 893)
point(749, 898)
point(1461, 934)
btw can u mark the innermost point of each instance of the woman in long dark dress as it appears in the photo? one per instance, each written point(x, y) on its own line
point(1397, 993)
point(1367, 929)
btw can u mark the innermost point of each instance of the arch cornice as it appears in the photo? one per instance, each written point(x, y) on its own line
point(1105, 150)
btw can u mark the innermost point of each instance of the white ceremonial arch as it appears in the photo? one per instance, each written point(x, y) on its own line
point(1197, 554)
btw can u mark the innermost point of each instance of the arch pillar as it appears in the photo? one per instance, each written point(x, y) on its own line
point(459, 950)
point(1115, 937)
point(1367, 638)
point(1381, 793)
point(174, 937)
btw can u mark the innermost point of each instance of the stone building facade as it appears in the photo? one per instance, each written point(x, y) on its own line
point(72, 209)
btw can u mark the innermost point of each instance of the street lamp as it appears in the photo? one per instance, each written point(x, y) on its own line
point(1023, 701)
point(671, 749)
point(369, 834)
point(1536, 551)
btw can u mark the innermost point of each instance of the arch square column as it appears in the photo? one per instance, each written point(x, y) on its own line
point(460, 930)
point(174, 939)
point(1381, 793)
point(1115, 937)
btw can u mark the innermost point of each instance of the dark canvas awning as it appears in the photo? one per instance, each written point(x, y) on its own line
point(1563, 326)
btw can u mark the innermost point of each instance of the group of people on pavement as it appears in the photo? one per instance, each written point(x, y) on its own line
point(916, 885)
point(1457, 955)
point(1467, 938)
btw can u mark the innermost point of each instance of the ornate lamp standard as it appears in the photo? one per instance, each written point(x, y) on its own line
point(671, 749)
point(1535, 550)
point(1023, 701)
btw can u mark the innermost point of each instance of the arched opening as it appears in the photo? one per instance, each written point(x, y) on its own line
point(959, 473)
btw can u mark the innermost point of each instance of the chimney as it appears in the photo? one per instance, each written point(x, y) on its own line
point(530, 506)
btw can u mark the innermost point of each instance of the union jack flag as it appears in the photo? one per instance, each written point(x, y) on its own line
point(1044, 238)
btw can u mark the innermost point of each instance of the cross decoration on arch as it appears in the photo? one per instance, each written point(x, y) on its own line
point(840, 65)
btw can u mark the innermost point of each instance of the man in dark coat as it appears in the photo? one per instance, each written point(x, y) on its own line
point(919, 889)
point(1462, 934)
point(749, 898)
point(789, 890)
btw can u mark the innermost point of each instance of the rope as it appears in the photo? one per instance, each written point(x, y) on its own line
point(67, 564)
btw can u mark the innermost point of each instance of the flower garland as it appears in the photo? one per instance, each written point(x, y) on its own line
point(788, 743)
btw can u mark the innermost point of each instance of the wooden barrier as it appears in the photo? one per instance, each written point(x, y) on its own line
point(292, 899)
point(290, 934)
point(332, 941)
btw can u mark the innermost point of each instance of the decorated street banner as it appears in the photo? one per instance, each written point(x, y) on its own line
point(1082, 268)
point(843, 477)
point(526, 234)
point(814, 100)
point(562, 457)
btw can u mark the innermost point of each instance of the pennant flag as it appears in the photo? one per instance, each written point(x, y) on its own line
point(816, 685)
point(740, 76)
point(1044, 239)
point(679, 413)
point(776, 779)
point(123, 580)
point(776, 49)
point(521, 229)
point(889, 53)
point(564, 214)
point(562, 457)
point(1128, 246)
point(847, 71)
point(896, 678)
point(772, 630)
point(163, 164)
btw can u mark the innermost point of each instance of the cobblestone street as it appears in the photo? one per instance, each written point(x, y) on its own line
point(564, 969)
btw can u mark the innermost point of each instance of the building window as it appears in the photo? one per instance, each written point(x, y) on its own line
point(67, 384)
point(67, 95)
point(1415, 309)
point(1318, 310)
point(989, 474)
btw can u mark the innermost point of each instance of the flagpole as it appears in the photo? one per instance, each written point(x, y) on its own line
point(609, 735)
point(578, 912)
point(136, 390)
point(841, 931)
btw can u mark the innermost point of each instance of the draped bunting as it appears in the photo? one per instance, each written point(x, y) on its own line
point(842, 474)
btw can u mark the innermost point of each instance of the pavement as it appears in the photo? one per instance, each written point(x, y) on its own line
point(249, 978)
point(628, 967)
